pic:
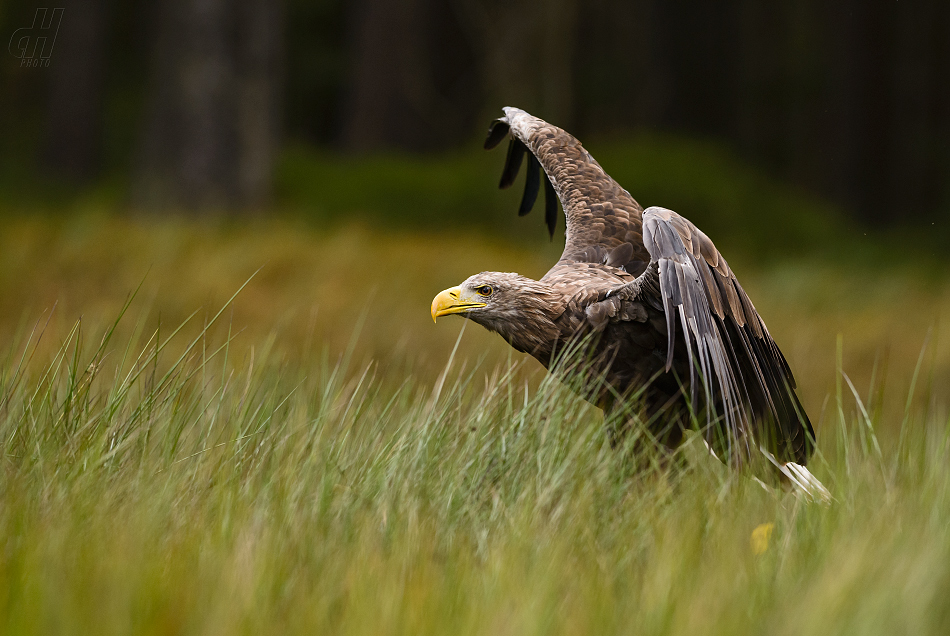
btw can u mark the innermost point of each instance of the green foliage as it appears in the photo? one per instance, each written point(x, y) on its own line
point(731, 201)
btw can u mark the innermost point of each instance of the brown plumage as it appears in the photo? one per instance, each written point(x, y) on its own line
point(665, 317)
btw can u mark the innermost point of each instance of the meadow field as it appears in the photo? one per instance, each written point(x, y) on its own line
point(252, 426)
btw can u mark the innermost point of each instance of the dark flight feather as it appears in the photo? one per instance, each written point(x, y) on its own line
point(516, 150)
point(550, 206)
point(532, 184)
point(497, 131)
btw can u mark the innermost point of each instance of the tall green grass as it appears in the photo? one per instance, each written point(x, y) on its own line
point(165, 483)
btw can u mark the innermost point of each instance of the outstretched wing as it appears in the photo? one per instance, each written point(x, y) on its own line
point(727, 340)
point(603, 220)
point(742, 368)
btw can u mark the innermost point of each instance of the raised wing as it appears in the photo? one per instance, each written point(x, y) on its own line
point(603, 220)
point(732, 356)
point(727, 340)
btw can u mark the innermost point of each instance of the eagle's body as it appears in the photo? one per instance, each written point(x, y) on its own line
point(648, 301)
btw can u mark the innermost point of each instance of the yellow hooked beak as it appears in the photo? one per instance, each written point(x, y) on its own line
point(455, 300)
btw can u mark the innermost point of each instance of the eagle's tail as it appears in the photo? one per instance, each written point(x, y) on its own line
point(801, 480)
point(808, 484)
point(796, 475)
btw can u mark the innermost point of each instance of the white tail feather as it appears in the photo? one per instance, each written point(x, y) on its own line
point(802, 479)
point(799, 477)
point(808, 483)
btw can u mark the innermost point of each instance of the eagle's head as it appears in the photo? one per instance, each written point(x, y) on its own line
point(518, 308)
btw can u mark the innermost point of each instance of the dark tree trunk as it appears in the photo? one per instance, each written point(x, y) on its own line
point(73, 123)
point(259, 100)
point(211, 128)
point(526, 53)
point(942, 108)
point(386, 102)
point(914, 146)
point(757, 104)
point(619, 65)
point(410, 82)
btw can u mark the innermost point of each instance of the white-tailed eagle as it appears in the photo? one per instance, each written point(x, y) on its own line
point(664, 321)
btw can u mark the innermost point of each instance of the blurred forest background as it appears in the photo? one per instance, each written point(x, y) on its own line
point(337, 144)
point(189, 103)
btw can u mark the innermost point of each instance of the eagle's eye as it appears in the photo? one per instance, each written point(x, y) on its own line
point(484, 290)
